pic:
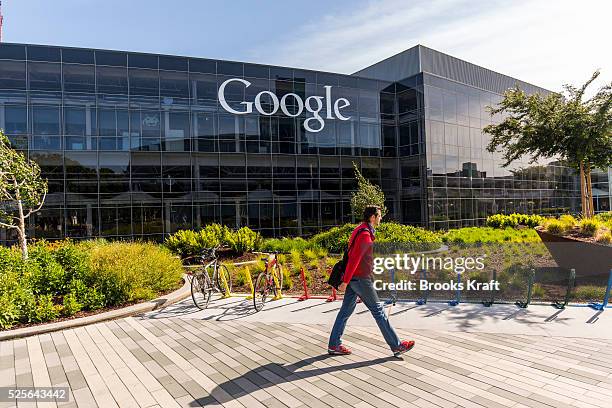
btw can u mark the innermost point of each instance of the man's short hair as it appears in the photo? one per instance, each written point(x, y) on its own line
point(369, 211)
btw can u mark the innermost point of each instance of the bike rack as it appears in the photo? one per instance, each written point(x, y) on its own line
point(523, 305)
point(249, 280)
point(570, 285)
point(604, 304)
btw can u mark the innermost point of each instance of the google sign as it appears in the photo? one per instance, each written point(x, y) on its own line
point(319, 103)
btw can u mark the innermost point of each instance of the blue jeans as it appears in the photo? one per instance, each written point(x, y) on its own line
point(363, 288)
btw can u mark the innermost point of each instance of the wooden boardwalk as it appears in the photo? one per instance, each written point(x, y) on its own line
point(173, 362)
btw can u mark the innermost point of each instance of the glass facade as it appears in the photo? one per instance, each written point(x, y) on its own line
point(137, 145)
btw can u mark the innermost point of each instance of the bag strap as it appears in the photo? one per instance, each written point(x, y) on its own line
point(355, 238)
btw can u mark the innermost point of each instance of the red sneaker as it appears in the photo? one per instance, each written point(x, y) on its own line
point(403, 347)
point(339, 350)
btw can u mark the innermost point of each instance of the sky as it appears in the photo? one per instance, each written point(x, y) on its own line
point(544, 42)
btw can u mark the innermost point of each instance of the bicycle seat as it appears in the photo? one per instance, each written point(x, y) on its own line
point(264, 259)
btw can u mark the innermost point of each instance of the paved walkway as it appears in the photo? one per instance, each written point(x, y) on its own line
point(227, 356)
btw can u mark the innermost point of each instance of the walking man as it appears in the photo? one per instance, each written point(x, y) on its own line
point(357, 281)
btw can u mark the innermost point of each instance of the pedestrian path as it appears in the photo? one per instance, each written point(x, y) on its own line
point(228, 356)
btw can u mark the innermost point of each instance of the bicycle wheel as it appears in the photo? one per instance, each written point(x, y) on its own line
point(201, 289)
point(223, 273)
point(261, 291)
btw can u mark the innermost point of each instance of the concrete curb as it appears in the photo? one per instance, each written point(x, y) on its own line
point(170, 298)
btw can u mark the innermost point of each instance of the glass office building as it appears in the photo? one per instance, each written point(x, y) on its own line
point(140, 145)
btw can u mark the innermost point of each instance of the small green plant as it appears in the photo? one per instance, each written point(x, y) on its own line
point(71, 305)
point(537, 291)
point(45, 309)
point(287, 281)
point(503, 221)
point(243, 240)
point(569, 221)
point(605, 238)
point(589, 292)
point(239, 275)
point(589, 226)
point(296, 261)
point(555, 226)
point(310, 255)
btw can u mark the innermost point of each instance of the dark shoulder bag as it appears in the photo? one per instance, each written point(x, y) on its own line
point(337, 273)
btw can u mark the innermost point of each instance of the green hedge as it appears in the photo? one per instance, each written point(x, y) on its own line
point(188, 243)
point(503, 221)
point(483, 235)
point(65, 278)
point(389, 237)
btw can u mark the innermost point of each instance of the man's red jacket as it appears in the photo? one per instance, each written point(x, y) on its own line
point(360, 259)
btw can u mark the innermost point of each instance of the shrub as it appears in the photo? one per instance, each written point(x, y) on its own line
point(71, 305)
point(335, 239)
point(296, 261)
point(485, 235)
point(287, 281)
point(604, 217)
point(239, 276)
point(50, 277)
point(555, 227)
point(286, 245)
point(537, 291)
point(589, 226)
point(125, 270)
point(390, 236)
point(589, 292)
point(9, 312)
point(393, 237)
point(512, 220)
point(568, 221)
point(605, 238)
point(310, 255)
point(243, 240)
point(46, 309)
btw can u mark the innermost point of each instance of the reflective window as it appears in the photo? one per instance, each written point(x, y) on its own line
point(41, 53)
point(12, 51)
point(144, 82)
point(79, 78)
point(75, 121)
point(174, 84)
point(80, 56)
point(45, 77)
point(45, 120)
point(12, 75)
point(112, 80)
point(172, 63)
point(143, 61)
point(15, 119)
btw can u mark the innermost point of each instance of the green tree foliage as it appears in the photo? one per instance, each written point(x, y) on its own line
point(22, 190)
point(366, 194)
point(558, 125)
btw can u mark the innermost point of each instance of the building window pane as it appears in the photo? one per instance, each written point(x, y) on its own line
point(144, 82)
point(112, 80)
point(174, 84)
point(45, 77)
point(15, 120)
point(75, 121)
point(79, 78)
point(12, 75)
point(46, 120)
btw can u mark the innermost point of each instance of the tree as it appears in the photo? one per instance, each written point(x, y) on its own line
point(22, 190)
point(367, 194)
point(557, 125)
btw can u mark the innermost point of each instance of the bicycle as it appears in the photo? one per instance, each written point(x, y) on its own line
point(204, 283)
point(270, 279)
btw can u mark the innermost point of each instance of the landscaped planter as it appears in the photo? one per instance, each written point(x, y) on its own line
point(591, 261)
